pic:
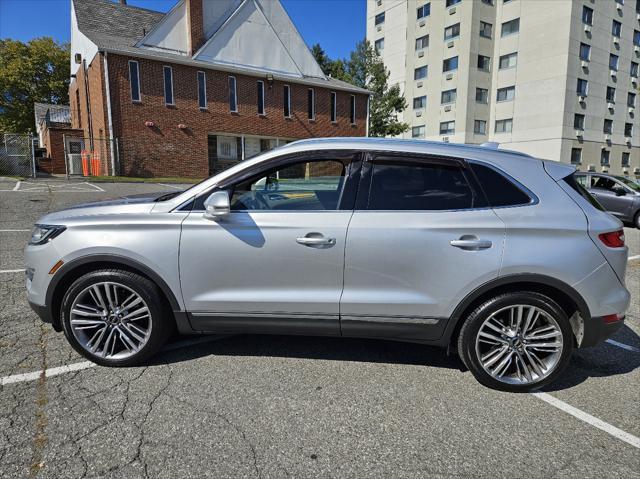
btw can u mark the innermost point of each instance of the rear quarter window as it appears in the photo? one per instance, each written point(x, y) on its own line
point(499, 189)
point(574, 182)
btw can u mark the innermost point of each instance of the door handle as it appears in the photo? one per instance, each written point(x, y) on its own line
point(471, 243)
point(316, 241)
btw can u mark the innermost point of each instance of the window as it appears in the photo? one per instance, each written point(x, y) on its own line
point(306, 186)
point(621, 2)
point(311, 104)
point(482, 95)
point(576, 156)
point(447, 127)
point(582, 87)
point(509, 60)
point(616, 28)
point(417, 131)
point(286, 94)
point(424, 11)
point(634, 69)
point(422, 42)
point(451, 3)
point(604, 161)
point(498, 189)
point(485, 29)
point(578, 121)
point(352, 109)
point(484, 63)
point(636, 37)
point(510, 27)
point(585, 52)
point(637, 6)
point(611, 94)
point(452, 31)
point(333, 107)
point(420, 73)
point(379, 45)
point(448, 96)
point(419, 186)
point(450, 64)
point(419, 102)
point(260, 85)
point(504, 126)
point(631, 100)
point(628, 130)
point(202, 90)
point(587, 15)
point(379, 20)
point(134, 80)
point(480, 127)
point(168, 85)
point(625, 159)
point(506, 94)
point(488, 2)
point(607, 126)
point(233, 99)
point(613, 61)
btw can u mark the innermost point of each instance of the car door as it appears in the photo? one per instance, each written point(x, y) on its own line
point(275, 262)
point(420, 239)
point(603, 188)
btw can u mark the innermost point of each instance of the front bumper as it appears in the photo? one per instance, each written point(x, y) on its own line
point(45, 315)
point(596, 330)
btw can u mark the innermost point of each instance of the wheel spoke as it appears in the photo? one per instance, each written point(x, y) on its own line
point(492, 337)
point(133, 316)
point(494, 356)
point(525, 367)
point(503, 365)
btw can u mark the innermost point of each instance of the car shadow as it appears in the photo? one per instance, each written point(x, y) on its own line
point(603, 360)
point(304, 347)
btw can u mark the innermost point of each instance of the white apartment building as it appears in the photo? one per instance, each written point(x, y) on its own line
point(557, 79)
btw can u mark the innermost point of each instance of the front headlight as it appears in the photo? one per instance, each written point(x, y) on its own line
point(42, 234)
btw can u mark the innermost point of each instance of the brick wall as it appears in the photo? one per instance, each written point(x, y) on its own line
point(54, 144)
point(166, 150)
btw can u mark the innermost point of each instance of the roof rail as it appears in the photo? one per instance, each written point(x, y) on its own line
point(492, 145)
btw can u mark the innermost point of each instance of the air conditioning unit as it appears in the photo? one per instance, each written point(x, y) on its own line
point(619, 7)
point(616, 41)
point(420, 53)
point(450, 44)
point(447, 108)
point(607, 137)
point(587, 29)
point(631, 110)
point(77, 58)
point(582, 98)
point(579, 133)
point(638, 16)
point(418, 112)
point(584, 63)
point(634, 81)
point(605, 169)
point(627, 140)
point(449, 76)
point(636, 171)
point(452, 11)
point(610, 106)
point(379, 2)
point(625, 171)
point(636, 48)
point(421, 23)
point(445, 139)
point(419, 84)
point(591, 168)
point(613, 73)
point(379, 28)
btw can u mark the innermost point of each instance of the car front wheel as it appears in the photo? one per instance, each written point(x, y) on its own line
point(114, 317)
point(516, 342)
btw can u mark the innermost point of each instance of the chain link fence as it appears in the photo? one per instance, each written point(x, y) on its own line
point(17, 155)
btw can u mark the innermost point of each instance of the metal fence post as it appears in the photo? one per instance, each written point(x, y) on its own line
point(66, 158)
point(33, 156)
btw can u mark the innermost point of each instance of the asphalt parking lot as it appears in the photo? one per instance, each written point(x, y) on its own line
point(272, 406)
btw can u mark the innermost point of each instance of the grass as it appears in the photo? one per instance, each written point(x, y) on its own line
point(132, 179)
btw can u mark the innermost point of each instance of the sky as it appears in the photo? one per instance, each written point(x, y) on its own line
point(337, 25)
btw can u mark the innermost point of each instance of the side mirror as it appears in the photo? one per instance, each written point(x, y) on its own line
point(218, 204)
point(619, 191)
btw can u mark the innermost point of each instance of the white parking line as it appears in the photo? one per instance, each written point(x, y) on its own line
point(589, 419)
point(12, 270)
point(623, 346)
point(12, 231)
point(171, 186)
point(95, 186)
point(69, 368)
point(17, 187)
point(631, 258)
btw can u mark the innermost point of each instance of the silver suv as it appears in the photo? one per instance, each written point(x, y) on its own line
point(500, 256)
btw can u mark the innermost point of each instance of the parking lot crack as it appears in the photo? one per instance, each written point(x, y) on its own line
point(39, 439)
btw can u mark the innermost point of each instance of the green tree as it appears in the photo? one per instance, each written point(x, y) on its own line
point(37, 71)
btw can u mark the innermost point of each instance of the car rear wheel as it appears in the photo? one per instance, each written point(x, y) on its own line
point(636, 220)
point(115, 317)
point(516, 342)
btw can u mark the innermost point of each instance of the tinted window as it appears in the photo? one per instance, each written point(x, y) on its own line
point(571, 181)
point(603, 183)
point(306, 186)
point(403, 187)
point(500, 191)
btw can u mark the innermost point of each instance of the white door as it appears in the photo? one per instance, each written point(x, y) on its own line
point(74, 147)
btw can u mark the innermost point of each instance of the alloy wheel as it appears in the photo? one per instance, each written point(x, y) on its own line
point(519, 344)
point(110, 320)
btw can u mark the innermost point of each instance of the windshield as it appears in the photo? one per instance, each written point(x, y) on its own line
point(173, 194)
point(628, 183)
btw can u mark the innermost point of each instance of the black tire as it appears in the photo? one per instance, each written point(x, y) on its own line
point(471, 328)
point(161, 328)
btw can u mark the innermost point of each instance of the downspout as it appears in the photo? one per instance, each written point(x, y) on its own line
point(368, 113)
point(109, 118)
point(88, 102)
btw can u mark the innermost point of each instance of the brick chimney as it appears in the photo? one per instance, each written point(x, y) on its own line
point(195, 25)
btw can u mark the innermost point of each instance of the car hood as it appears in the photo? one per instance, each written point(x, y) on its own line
point(130, 204)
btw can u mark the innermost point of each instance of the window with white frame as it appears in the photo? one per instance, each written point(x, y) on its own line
point(134, 80)
point(504, 126)
point(616, 28)
point(510, 60)
point(447, 127)
point(604, 157)
point(418, 131)
point(582, 87)
point(424, 11)
point(625, 160)
point(480, 127)
point(484, 63)
point(585, 52)
point(379, 19)
point(452, 31)
point(576, 156)
point(448, 96)
point(611, 94)
point(506, 94)
point(379, 45)
point(450, 64)
point(420, 102)
point(482, 95)
point(511, 27)
point(613, 62)
point(422, 42)
point(485, 29)
point(420, 73)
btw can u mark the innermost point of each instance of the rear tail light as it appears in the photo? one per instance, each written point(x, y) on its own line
point(612, 318)
point(614, 239)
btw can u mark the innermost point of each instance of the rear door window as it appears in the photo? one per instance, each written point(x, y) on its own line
point(410, 186)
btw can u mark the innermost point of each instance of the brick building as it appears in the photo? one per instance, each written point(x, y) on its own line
point(53, 125)
point(195, 90)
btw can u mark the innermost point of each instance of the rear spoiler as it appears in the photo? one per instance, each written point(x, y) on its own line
point(557, 170)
